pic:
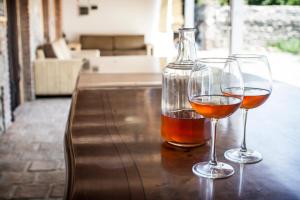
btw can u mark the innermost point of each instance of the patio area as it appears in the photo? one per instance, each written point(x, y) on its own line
point(31, 151)
point(46, 46)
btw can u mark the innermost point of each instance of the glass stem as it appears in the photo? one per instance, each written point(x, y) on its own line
point(243, 145)
point(213, 157)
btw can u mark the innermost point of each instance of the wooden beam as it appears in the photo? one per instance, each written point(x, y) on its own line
point(46, 20)
point(58, 16)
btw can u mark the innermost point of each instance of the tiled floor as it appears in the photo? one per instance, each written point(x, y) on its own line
point(31, 151)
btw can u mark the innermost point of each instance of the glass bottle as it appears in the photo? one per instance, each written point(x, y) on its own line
point(180, 125)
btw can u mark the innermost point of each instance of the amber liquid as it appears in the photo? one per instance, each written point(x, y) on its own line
point(215, 106)
point(185, 128)
point(253, 97)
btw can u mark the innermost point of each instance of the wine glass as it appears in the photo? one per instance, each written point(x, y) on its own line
point(208, 79)
point(258, 87)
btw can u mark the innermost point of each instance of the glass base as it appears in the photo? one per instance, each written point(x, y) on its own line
point(186, 144)
point(221, 170)
point(250, 156)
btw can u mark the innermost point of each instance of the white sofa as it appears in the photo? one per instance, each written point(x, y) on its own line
point(57, 76)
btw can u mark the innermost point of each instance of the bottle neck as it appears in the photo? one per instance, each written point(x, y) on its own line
point(187, 49)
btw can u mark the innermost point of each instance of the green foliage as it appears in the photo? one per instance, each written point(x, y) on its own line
point(261, 2)
point(273, 2)
point(200, 2)
point(224, 2)
point(291, 45)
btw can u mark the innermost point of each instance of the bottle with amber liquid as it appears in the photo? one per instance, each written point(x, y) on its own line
point(180, 124)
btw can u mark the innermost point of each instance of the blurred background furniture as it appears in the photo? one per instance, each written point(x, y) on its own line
point(116, 45)
point(122, 71)
point(56, 77)
point(74, 46)
point(128, 64)
point(56, 68)
point(60, 49)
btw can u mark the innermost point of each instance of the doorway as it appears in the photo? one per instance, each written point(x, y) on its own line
point(13, 54)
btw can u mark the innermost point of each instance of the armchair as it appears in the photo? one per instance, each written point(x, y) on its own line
point(56, 77)
point(56, 68)
point(87, 53)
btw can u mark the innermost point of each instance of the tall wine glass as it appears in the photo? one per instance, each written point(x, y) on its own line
point(258, 87)
point(209, 77)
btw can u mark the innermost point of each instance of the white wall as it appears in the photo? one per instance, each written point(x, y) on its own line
point(36, 25)
point(112, 17)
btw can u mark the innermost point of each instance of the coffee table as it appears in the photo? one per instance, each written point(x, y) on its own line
point(122, 71)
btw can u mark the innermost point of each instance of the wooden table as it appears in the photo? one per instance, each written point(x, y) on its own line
point(122, 71)
point(129, 64)
point(74, 46)
point(114, 149)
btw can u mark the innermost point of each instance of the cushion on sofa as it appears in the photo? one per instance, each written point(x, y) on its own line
point(129, 42)
point(128, 52)
point(48, 50)
point(40, 54)
point(96, 42)
point(61, 49)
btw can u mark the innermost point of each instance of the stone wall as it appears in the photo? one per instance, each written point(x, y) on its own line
point(34, 34)
point(262, 25)
point(36, 38)
point(4, 78)
point(31, 35)
point(25, 50)
point(271, 23)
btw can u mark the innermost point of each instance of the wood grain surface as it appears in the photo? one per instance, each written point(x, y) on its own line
point(114, 149)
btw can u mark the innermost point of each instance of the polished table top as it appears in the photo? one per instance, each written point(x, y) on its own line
point(114, 149)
